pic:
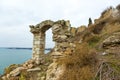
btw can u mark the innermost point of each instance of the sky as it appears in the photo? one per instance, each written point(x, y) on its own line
point(17, 15)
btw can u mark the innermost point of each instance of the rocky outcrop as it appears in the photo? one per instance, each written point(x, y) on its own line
point(55, 71)
point(112, 43)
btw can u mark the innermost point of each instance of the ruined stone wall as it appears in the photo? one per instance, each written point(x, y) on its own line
point(60, 30)
point(62, 36)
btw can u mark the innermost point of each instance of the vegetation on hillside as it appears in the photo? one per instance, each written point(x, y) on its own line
point(81, 64)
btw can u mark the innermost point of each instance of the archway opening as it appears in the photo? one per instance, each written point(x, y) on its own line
point(49, 44)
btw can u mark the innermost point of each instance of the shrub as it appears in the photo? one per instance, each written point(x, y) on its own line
point(89, 21)
point(80, 65)
point(10, 68)
point(22, 77)
point(118, 7)
point(93, 41)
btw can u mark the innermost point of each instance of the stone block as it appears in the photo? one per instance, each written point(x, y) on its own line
point(37, 42)
point(34, 69)
point(73, 31)
point(81, 28)
point(37, 49)
point(16, 71)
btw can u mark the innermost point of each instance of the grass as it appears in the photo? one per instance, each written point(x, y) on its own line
point(80, 64)
point(108, 70)
point(93, 41)
point(110, 29)
point(10, 68)
point(22, 77)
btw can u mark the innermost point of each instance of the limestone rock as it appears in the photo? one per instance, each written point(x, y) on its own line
point(81, 29)
point(54, 71)
point(57, 55)
point(34, 30)
point(16, 71)
point(112, 43)
point(73, 31)
point(30, 66)
point(4, 78)
point(112, 40)
point(42, 78)
point(34, 69)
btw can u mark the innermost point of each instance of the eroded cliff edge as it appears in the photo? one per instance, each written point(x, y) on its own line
point(85, 53)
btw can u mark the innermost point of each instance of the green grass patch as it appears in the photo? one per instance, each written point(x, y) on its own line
point(93, 41)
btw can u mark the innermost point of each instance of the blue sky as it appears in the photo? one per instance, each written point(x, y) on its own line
point(17, 15)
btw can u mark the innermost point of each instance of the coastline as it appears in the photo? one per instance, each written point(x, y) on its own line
point(19, 48)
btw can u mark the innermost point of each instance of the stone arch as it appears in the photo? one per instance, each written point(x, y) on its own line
point(60, 31)
point(45, 25)
point(39, 31)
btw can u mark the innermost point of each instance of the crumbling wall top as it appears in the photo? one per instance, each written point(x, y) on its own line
point(41, 27)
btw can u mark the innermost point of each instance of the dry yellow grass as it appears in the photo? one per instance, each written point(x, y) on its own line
point(81, 64)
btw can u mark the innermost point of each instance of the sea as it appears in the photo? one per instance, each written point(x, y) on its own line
point(10, 56)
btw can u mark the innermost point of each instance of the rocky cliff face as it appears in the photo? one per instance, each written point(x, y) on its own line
point(83, 53)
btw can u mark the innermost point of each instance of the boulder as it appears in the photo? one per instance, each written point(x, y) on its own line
point(112, 40)
point(34, 69)
point(112, 43)
point(16, 71)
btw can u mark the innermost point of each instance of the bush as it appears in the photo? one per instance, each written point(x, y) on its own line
point(118, 7)
point(10, 68)
point(22, 77)
point(80, 65)
point(93, 41)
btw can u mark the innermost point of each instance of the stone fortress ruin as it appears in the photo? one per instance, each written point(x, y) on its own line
point(62, 36)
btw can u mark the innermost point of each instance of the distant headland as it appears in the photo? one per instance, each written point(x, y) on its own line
point(24, 48)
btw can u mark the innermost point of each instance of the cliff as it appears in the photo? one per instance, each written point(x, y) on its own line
point(85, 53)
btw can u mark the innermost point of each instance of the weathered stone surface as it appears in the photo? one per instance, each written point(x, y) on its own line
point(61, 33)
point(34, 30)
point(112, 43)
point(30, 66)
point(81, 29)
point(4, 78)
point(112, 40)
point(34, 69)
point(16, 71)
point(73, 31)
point(54, 71)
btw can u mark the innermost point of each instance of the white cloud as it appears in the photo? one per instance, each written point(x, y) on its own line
point(17, 15)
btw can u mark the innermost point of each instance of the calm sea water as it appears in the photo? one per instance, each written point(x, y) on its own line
point(13, 56)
